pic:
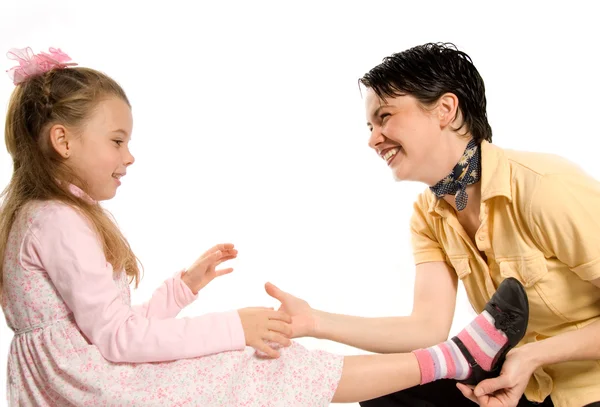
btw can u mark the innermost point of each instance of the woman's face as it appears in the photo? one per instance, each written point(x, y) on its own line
point(411, 139)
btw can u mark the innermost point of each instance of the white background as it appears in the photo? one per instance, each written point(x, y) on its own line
point(249, 128)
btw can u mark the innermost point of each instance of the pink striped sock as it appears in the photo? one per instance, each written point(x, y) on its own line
point(446, 361)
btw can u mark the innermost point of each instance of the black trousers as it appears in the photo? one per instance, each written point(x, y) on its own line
point(441, 393)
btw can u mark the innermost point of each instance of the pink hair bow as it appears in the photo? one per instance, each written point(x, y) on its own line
point(31, 64)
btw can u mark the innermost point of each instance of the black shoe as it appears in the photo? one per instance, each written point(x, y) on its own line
point(510, 309)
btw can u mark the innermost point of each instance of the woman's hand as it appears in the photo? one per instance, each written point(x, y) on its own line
point(204, 270)
point(303, 318)
point(506, 389)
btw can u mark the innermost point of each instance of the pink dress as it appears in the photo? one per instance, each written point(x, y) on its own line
point(79, 342)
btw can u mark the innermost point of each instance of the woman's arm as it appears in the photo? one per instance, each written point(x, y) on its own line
point(564, 219)
point(580, 344)
point(428, 324)
point(433, 305)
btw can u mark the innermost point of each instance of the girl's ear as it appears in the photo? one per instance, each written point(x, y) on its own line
point(60, 140)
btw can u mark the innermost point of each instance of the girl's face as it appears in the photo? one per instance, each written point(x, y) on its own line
point(100, 154)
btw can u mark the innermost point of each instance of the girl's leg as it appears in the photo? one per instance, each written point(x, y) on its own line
point(368, 376)
point(441, 393)
point(476, 353)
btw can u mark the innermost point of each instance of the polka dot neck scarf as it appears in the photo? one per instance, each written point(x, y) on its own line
point(466, 172)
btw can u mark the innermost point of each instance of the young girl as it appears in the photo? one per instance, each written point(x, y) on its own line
point(66, 270)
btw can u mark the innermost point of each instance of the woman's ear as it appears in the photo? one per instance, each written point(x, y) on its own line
point(447, 109)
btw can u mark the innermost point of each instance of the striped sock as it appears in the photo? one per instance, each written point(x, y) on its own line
point(446, 361)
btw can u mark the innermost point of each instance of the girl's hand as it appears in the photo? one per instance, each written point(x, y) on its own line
point(303, 319)
point(262, 325)
point(203, 271)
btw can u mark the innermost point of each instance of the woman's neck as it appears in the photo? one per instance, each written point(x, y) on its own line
point(447, 156)
point(471, 211)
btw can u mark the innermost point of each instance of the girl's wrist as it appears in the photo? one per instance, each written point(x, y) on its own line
point(185, 278)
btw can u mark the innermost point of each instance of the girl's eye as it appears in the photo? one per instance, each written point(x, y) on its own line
point(119, 142)
point(383, 116)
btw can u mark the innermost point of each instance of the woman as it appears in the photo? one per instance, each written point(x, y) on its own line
point(487, 214)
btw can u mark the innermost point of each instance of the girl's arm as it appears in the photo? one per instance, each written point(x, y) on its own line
point(181, 289)
point(62, 244)
point(168, 300)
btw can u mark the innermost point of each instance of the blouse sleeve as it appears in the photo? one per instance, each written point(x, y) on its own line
point(425, 245)
point(168, 300)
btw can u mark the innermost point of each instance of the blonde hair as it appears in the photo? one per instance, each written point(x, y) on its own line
point(68, 97)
